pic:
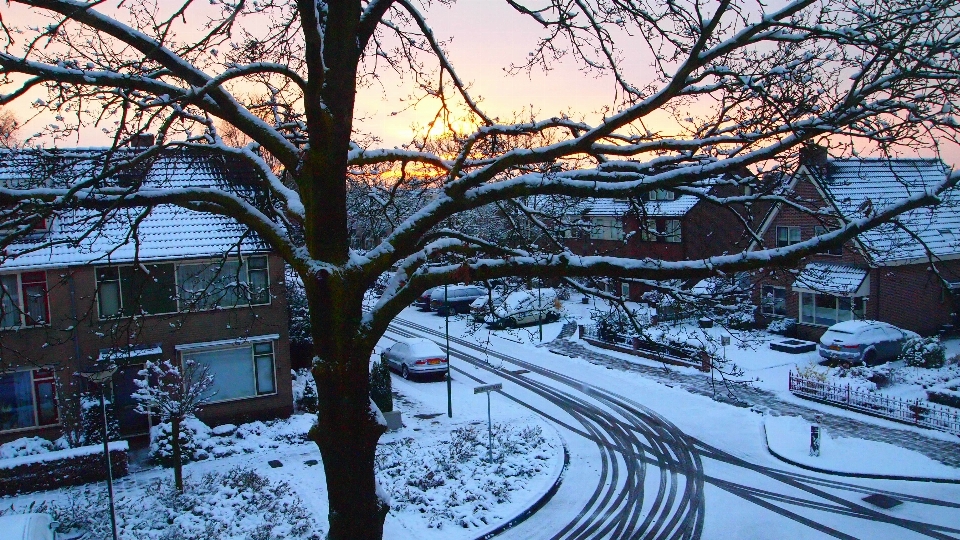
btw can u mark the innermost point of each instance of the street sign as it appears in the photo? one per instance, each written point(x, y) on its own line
point(488, 388)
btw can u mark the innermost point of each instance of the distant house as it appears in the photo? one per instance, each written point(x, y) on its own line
point(906, 274)
point(662, 224)
point(189, 285)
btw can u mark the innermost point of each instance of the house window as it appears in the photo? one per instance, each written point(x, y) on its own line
point(28, 399)
point(673, 231)
point(827, 310)
point(773, 300)
point(661, 195)
point(23, 300)
point(625, 290)
point(649, 231)
point(606, 229)
point(152, 289)
point(818, 230)
point(223, 284)
point(238, 372)
point(787, 236)
point(145, 289)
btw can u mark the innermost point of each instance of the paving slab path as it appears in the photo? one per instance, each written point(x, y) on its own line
point(765, 401)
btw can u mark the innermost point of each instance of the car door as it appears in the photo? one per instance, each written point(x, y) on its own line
point(891, 347)
point(396, 353)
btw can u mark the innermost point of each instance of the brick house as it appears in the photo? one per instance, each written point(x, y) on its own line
point(906, 276)
point(192, 285)
point(662, 224)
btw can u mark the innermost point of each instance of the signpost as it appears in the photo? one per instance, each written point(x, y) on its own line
point(446, 317)
point(815, 436)
point(479, 390)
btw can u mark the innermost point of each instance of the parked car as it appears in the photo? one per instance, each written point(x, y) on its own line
point(424, 301)
point(480, 308)
point(867, 342)
point(415, 356)
point(526, 307)
point(28, 527)
point(455, 299)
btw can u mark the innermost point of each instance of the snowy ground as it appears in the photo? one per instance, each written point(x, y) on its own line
point(435, 471)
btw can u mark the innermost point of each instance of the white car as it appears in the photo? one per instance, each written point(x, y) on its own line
point(526, 307)
point(415, 356)
point(867, 342)
point(28, 527)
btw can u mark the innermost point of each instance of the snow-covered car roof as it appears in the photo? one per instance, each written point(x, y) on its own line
point(422, 347)
point(852, 327)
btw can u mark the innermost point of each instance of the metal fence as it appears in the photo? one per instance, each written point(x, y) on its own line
point(918, 412)
point(686, 356)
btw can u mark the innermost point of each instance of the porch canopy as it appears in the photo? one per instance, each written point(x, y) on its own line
point(833, 279)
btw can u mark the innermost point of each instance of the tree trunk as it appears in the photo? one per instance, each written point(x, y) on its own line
point(177, 455)
point(347, 428)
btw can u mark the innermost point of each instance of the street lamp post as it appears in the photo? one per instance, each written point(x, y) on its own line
point(446, 314)
point(100, 376)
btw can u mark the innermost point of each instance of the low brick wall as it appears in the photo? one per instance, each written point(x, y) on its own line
point(60, 469)
point(702, 363)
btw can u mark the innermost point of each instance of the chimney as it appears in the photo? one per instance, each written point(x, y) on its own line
point(814, 157)
point(142, 140)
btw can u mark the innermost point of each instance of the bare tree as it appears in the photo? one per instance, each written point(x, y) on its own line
point(173, 394)
point(8, 126)
point(747, 84)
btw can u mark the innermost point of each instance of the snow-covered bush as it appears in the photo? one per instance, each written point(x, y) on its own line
point(613, 325)
point(238, 503)
point(27, 446)
point(193, 437)
point(381, 390)
point(304, 391)
point(91, 420)
point(924, 353)
point(945, 396)
point(786, 327)
point(452, 483)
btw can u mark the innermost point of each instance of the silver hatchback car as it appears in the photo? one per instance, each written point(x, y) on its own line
point(867, 342)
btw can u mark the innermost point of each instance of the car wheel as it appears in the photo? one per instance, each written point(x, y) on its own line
point(405, 372)
point(870, 358)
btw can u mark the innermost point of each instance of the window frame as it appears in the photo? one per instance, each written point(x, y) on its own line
point(49, 377)
point(23, 316)
point(181, 306)
point(855, 314)
point(770, 309)
point(834, 251)
point(186, 351)
point(674, 236)
point(790, 229)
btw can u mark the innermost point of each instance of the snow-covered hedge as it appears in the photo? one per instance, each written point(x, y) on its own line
point(200, 442)
point(924, 353)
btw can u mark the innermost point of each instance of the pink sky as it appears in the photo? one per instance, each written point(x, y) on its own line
point(487, 37)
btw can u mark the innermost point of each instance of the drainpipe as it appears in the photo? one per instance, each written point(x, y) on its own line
point(73, 316)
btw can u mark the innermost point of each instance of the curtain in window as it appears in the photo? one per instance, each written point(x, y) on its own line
point(9, 301)
point(232, 372)
point(16, 401)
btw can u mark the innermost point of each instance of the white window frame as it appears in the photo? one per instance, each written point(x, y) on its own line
point(186, 350)
point(811, 297)
point(770, 309)
point(673, 232)
point(819, 230)
point(790, 236)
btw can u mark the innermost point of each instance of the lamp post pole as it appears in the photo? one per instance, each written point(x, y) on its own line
point(447, 322)
point(100, 376)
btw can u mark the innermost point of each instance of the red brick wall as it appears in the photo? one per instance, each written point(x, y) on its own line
point(908, 296)
point(55, 345)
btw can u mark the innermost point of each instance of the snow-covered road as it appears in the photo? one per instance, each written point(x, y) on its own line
point(648, 461)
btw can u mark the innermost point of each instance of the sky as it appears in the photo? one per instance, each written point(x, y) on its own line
point(486, 36)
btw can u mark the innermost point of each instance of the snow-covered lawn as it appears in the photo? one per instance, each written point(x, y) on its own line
point(789, 436)
point(435, 471)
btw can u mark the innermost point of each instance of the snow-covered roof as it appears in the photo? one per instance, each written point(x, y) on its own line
point(601, 207)
point(167, 232)
point(836, 279)
point(858, 185)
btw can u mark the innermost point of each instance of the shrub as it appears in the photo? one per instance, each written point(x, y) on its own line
point(193, 434)
point(786, 327)
point(944, 397)
point(924, 353)
point(91, 420)
point(381, 391)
